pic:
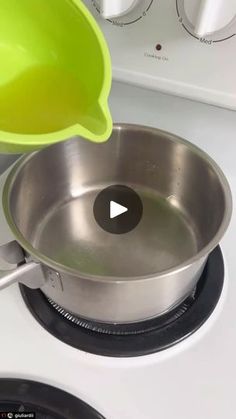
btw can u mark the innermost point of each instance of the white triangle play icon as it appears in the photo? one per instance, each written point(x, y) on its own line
point(116, 209)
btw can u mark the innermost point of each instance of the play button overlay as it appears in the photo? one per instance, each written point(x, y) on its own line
point(118, 209)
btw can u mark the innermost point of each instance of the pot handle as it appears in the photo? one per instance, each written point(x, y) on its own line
point(30, 274)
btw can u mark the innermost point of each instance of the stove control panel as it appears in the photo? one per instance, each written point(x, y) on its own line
point(181, 47)
point(213, 19)
point(122, 12)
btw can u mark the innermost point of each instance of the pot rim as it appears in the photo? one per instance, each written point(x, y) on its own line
point(203, 253)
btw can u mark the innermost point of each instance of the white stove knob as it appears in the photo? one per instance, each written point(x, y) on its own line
point(209, 16)
point(110, 9)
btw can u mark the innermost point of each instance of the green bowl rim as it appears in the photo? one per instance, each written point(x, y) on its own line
point(36, 141)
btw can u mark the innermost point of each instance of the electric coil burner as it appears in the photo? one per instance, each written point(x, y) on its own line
point(41, 401)
point(138, 338)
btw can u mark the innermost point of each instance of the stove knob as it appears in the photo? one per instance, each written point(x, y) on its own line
point(110, 9)
point(209, 16)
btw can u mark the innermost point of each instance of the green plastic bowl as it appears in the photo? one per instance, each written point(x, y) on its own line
point(55, 75)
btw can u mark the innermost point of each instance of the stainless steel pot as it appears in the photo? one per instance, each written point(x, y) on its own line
point(48, 202)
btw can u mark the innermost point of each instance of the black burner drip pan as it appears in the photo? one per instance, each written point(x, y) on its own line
point(140, 338)
point(42, 401)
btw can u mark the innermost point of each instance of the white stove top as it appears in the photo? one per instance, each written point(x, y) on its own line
point(194, 379)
